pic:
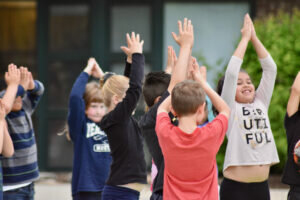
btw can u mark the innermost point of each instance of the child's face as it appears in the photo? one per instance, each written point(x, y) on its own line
point(95, 111)
point(245, 91)
point(17, 106)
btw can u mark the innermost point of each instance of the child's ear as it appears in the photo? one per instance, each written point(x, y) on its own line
point(115, 99)
point(157, 99)
point(172, 110)
point(202, 109)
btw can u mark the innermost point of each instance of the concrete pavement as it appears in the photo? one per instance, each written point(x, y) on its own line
point(62, 191)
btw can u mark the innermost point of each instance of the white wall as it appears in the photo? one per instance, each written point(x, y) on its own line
point(216, 28)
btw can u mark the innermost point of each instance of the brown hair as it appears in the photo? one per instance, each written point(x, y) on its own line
point(92, 94)
point(187, 96)
point(114, 85)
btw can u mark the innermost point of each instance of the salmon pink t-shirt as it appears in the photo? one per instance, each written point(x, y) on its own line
point(190, 159)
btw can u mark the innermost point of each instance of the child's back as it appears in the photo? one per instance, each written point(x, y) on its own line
point(189, 151)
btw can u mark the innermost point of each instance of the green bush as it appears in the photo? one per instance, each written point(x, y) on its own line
point(281, 36)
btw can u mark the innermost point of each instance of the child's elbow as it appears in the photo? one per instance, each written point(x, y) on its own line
point(8, 153)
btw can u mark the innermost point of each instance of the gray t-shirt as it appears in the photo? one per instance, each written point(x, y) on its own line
point(250, 138)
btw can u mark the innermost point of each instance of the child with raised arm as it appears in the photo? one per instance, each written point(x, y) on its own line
point(121, 94)
point(291, 173)
point(92, 158)
point(21, 170)
point(190, 151)
point(251, 148)
point(156, 89)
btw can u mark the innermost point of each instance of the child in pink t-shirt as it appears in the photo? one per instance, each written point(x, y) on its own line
point(189, 151)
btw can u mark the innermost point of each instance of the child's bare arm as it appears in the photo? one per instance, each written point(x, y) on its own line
point(165, 106)
point(216, 100)
point(185, 40)
point(294, 100)
point(8, 147)
point(12, 79)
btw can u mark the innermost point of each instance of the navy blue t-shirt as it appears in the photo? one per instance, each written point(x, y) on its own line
point(91, 162)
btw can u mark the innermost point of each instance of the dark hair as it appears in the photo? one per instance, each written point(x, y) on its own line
point(220, 88)
point(156, 83)
point(187, 96)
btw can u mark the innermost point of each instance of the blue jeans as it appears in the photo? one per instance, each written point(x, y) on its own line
point(119, 193)
point(23, 193)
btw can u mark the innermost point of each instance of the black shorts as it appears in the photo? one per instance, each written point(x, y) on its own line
point(157, 196)
point(294, 193)
point(234, 190)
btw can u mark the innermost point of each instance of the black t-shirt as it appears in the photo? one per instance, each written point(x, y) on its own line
point(124, 136)
point(291, 173)
point(147, 124)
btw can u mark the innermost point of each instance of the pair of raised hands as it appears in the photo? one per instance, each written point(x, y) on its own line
point(22, 76)
point(248, 30)
point(93, 68)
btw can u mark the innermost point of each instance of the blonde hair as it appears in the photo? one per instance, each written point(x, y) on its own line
point(115, 85)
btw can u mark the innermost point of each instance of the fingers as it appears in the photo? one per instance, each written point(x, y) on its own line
point(175, 36)
point(129, 42)
point(203, 72)
point(125, 50)
point(174, 55)
point(170, 53)
point(185, 24)
point(180, 27)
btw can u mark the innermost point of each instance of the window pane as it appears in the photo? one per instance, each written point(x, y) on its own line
point(60, 149)
point(17, 36)
point(216, 30)
point(68, 27)
point(126, 19)
point(61, 76)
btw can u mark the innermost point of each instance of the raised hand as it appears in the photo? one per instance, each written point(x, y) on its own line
point(12, 76)
point(31, 84)
point(134, 45)
point(90, 65)
point(247, 28)
point(198, 73)
point(253, 33)
point(97, 71)
point(24, 80)
point(186, 34)
point(172, 59)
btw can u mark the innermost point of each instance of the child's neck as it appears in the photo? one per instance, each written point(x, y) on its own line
point(187, 123)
